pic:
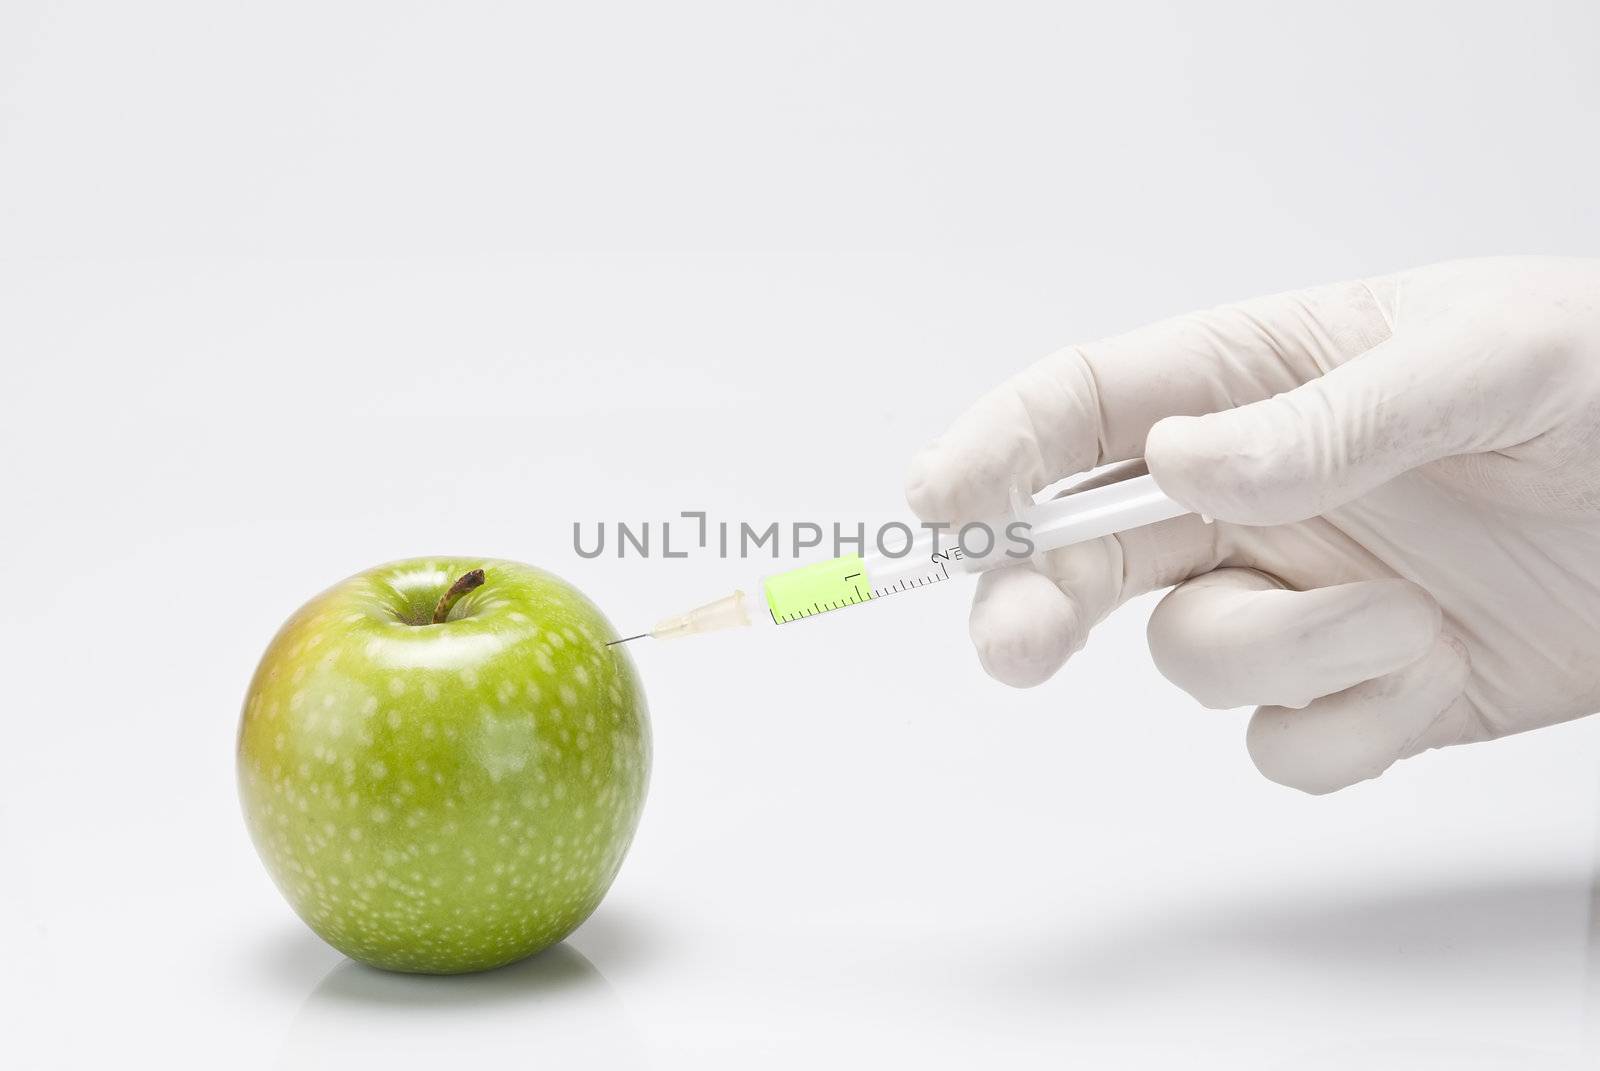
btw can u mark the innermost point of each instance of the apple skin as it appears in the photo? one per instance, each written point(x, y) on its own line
point(451, 797)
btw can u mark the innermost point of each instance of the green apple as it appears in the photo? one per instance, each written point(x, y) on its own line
point(451, 796)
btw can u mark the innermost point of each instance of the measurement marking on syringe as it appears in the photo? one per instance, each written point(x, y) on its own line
point(821, 607)
point(855, 599)
point(908, 583)
point(825, 586)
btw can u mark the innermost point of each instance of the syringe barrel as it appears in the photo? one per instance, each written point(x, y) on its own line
point(1053, 523)
point(1100, 511)
point(931, 557)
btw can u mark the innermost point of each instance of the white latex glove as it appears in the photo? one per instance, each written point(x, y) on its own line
point(1405, 477)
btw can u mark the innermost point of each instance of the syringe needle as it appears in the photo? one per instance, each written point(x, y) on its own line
point(625, 639)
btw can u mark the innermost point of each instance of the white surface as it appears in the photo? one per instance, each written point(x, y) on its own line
point(250, 256)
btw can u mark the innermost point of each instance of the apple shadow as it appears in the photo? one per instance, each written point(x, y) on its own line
point(555, 1003)
point(558, 970)
point(618, 940)
point(293, 958)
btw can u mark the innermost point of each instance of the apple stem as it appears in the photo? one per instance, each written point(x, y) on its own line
point(448, 600)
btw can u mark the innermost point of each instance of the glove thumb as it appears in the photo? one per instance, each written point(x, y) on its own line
point(1405, 402)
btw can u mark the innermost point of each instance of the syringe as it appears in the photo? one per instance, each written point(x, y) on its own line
point(930, 558)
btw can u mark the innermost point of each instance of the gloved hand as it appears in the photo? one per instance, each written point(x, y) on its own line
point(1404, 473)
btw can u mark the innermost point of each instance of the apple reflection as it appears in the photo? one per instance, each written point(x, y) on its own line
point(554, 1009)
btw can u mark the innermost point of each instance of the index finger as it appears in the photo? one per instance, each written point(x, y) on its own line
point(1086, 406)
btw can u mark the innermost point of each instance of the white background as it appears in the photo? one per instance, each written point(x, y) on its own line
point(289, 289)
